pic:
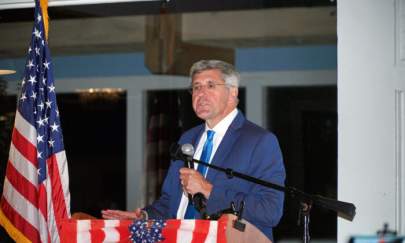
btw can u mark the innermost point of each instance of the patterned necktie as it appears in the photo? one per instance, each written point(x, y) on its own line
point(205, 157)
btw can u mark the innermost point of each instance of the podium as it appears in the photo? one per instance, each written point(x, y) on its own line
point(171, 231)
point(250, 235)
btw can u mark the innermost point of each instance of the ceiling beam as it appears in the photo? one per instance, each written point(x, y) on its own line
point(229, 29)
point(167, 53)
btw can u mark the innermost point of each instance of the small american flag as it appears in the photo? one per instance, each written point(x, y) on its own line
point(36, 194)
point(152, 231)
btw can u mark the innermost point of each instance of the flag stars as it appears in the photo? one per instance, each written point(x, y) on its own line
point(39, 18)
point(29, 50)
point(48, 104)
point(41, 105)
point(46, 64)
point(54, 127)
point(46, 119)
point(40, 122)
point(34, 95)
point(44, 81)
point(40, 139)
point(51, 143)
point(39, 171)
point(30, 64)
point(23, 97)
point(37, 33)
point(39, 155)
point(57, 113)
point(51, 88)
point(32, 80)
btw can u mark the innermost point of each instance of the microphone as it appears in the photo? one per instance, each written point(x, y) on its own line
point(188, 152)
point(185, 152)
point(198, 200)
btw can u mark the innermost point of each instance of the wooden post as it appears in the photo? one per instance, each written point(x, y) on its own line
point(166, 53)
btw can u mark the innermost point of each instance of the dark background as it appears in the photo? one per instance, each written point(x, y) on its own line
point(303, 118)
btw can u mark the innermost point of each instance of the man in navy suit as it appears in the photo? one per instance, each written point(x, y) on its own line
point(235, 143)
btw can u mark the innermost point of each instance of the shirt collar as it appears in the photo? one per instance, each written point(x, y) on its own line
point(223, 125)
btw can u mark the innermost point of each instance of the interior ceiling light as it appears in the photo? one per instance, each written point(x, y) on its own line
point(5, 72)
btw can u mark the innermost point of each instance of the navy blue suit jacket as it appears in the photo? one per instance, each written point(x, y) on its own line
point(245, 148)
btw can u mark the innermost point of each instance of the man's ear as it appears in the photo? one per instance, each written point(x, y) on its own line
point(234, 92)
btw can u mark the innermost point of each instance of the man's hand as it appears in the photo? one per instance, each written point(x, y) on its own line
point(118, 214)
point(193, 182)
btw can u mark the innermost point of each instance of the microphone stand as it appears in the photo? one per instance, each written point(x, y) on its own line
point(344, 209)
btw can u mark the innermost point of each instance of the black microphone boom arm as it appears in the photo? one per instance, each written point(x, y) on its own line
point(344, 209)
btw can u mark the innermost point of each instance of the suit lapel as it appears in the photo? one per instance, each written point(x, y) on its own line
point(231, 136)
point(197, 136)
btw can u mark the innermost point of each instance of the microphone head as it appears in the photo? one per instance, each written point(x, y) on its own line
point(187, 149)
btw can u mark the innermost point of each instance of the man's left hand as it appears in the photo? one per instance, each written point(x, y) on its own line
point(193, 182)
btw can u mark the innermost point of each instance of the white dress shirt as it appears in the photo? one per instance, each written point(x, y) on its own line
point(220, 130)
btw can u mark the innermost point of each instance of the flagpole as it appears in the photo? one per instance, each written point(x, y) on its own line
point(45, 16)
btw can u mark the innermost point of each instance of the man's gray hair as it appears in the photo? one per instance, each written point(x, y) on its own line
point(229, 73)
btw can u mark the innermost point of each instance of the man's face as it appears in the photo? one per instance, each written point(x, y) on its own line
point(212, 100)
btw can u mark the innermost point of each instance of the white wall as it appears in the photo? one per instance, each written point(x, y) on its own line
point(371, 120)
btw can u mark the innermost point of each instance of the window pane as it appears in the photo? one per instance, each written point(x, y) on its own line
point(94, 131)
point(305, 121)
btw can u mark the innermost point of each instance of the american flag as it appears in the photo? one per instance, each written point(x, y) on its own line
point(168, 231)
point(36, 194)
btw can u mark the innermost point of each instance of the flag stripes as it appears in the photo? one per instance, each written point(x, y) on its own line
point(29, 191)
point(27, 149)
point(36, 194)
point(86, 231)
point(174, 231)
point(14, 233)
point(22, 165)
point(23, 214)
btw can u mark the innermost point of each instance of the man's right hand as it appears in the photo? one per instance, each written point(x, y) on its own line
point(118, 214)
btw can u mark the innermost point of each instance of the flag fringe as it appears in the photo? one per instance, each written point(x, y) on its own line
point(12, 231)
point(44, 8)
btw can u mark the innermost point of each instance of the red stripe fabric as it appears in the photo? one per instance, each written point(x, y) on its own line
point(169, 232)
point(68, 231)
point(58, 196)
point(42, 201)
point(22, 185)
point(19, 222)
point(200, 232)
point(97, 233)
point(25, 147)
point(123, 231)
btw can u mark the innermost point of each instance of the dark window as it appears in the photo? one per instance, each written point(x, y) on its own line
point(305, 121)
point(94, 131)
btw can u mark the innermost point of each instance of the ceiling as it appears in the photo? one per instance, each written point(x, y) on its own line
point(121, 27)
point(137, 7)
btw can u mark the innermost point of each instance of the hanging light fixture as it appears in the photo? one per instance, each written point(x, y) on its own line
point(6, 72)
